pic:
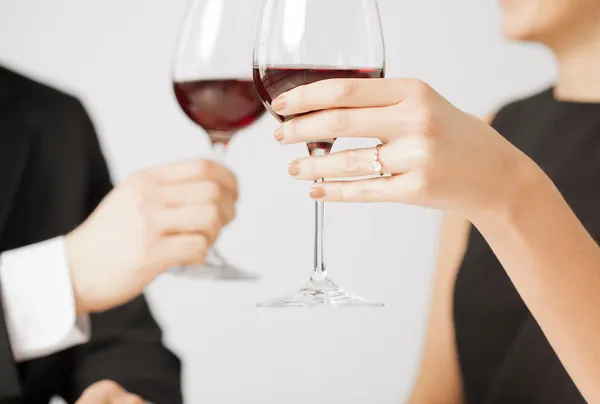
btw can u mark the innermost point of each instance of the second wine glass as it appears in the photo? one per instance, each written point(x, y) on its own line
point(213, 84)
point(299, 42)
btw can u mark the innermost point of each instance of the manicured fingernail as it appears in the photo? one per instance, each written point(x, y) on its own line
point(294, 168)
point(316, 192)
point(279, 134)
point(279, 103)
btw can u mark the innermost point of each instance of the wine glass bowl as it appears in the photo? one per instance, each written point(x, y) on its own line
point(299, 42)
point(221, 107)
point(212, 82)
point(272, 81)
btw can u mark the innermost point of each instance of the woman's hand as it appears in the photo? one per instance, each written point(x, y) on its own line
point(437, 155)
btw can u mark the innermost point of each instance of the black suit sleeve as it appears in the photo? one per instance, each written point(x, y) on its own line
point(126, 348)
point(11, 383)
point(126, 344)
point(9, 376)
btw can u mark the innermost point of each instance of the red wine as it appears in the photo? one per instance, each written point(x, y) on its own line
point(221, 107)
point(273, 81)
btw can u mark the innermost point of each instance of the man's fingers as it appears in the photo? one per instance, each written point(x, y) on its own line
point(194, 193)
point(127, 398)
point(204, 219)
point(102, 392)
point(227, 209)
point(184, 250)
point(195, 170)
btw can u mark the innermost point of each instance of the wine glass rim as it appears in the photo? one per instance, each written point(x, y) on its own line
point(317, 66)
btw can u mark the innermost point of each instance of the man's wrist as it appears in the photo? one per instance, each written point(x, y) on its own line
point(74, 256)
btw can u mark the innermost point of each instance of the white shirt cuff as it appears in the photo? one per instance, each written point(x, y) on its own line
point(39, 305)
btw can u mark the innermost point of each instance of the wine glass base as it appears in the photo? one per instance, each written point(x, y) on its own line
point(216, 267)
point(223, 270)
point(214, 272)
point(320, 293)
point(227, 272)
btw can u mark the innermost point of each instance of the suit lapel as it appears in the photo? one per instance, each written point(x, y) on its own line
point(15, 145)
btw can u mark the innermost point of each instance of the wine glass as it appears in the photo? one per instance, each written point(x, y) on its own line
point(213, 85)
point(300, 42)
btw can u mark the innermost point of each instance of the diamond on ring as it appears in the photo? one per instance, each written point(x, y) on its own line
point(376, 166)
point(376, 163)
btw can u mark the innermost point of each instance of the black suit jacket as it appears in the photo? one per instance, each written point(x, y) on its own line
point(52, 176)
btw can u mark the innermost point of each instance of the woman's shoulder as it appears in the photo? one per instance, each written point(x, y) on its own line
point(530, 105)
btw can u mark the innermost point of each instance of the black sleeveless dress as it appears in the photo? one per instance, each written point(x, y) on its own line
point(504, 356)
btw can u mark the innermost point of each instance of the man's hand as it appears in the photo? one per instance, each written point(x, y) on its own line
point(156, 219)
point(108, 392)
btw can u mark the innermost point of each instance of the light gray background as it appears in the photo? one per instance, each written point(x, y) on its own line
point(116, 55)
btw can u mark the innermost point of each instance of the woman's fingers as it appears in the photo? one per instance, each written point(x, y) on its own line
point(347, 163)
point(371, 190)
point(407, 188)
point(381, 123)
point(342, 93)
point(355, 108)
point(397, 157)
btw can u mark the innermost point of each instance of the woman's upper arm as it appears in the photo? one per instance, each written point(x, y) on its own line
point(439, 380)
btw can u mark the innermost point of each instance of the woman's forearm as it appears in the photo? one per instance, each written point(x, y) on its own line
point(555, 266)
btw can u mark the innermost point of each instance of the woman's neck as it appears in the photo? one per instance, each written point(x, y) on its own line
point(579, 69)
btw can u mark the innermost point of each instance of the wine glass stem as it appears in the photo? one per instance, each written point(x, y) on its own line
point(219, 149)
point(320, 272)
